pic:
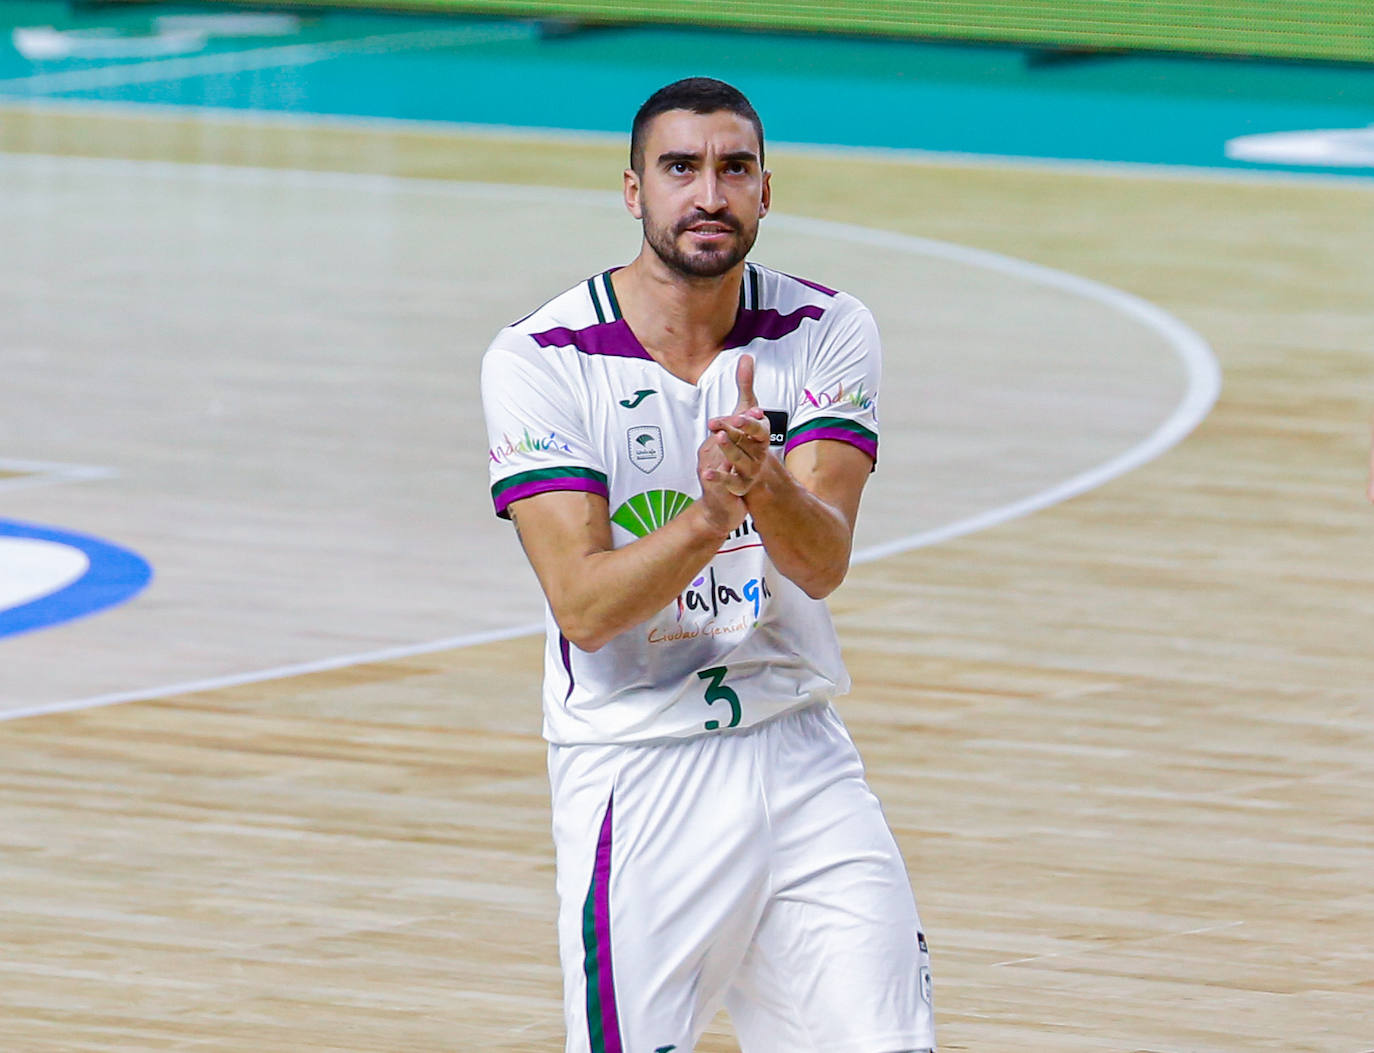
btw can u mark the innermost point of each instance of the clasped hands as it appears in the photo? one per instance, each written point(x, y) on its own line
point(735, 454)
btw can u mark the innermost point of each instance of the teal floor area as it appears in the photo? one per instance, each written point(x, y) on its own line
point(984, 100)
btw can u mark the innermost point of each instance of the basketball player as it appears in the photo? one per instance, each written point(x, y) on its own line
point(682, 443)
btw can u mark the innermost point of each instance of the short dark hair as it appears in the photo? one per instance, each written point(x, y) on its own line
point(698, 94)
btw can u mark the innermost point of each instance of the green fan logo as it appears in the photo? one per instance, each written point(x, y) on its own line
point(646, 512)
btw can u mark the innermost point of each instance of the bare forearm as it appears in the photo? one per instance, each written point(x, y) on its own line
point(599, 594)
point(808, 540)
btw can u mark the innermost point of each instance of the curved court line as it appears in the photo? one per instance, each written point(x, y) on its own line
point(1203, 385)
point(112, 575)
point(1200, 366)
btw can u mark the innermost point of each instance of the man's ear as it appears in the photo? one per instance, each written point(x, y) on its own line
point(632, 194)
point(766, 198)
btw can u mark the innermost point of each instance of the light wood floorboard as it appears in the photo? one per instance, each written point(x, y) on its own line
point(1125, 743)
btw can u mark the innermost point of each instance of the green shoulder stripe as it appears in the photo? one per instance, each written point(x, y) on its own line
point(596, 300)
point(610, 296)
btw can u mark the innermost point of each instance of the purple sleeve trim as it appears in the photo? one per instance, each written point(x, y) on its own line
point(863, 442)
point(544, 486)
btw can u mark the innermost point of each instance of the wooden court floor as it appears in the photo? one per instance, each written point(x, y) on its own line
point(1125, 743)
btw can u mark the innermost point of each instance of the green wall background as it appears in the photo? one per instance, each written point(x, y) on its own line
point(1341, 30)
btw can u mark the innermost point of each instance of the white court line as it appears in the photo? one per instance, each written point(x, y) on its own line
point(324, 665)
point(281, 55)
point(1202, 371)
point(1199, 364)
point(48, 473)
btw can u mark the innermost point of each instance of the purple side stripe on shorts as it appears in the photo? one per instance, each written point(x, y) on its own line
point(610, 1019)
point(565, 649)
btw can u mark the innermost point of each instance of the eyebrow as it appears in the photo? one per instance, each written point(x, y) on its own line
point(674, 156)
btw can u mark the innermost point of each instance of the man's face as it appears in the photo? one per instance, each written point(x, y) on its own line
point(702, 193)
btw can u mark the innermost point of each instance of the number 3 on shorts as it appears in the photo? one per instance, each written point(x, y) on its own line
point(716, 691)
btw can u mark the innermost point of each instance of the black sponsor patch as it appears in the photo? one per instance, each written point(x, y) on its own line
point(777, 427)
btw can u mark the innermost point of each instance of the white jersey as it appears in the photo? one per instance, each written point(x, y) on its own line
point(574, 402)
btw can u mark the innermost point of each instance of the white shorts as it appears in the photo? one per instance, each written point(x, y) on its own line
point(752, 869)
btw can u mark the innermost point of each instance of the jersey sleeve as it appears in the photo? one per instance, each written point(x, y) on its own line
point(537, 430)
point(840, 389)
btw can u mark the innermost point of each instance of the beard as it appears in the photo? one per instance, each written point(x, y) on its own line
point(704, 262)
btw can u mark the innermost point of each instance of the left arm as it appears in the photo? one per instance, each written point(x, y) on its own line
point(805, 507)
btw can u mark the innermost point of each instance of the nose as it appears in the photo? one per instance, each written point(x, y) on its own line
point(709, 197)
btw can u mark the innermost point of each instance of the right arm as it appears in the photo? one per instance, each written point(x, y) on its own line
point(555, 487)
point(597, 591)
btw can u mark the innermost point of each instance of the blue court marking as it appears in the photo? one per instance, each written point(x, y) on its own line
point(115, 575)
point(1003, 102)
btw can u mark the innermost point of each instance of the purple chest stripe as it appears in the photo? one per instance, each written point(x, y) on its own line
point(607, 338)
point(769, 324)
point(814, 285)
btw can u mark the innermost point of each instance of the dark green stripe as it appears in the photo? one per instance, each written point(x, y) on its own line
point(610, 296)
point(536, 475)
point(834, 422)
point(592, 967)
point(596, 302)
point(754, 284)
